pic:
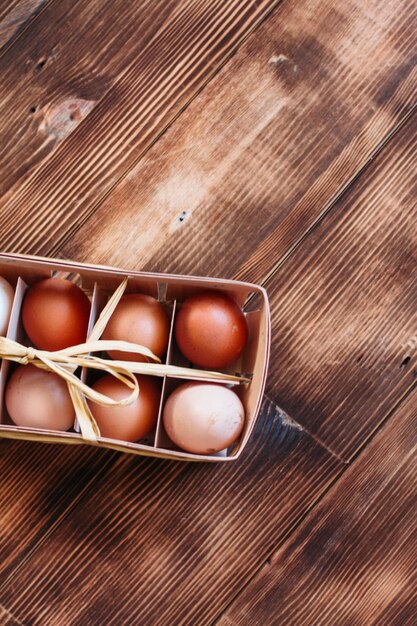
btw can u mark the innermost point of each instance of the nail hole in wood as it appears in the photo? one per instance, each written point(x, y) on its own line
point(40, 65)
point(32, 109)
point(405, 362)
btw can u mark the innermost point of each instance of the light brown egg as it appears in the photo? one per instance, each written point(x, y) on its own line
point(134, 421)
point(203, 417)
point(139, 319)
point(39, 399)
point(55, 314)
point(211, 330)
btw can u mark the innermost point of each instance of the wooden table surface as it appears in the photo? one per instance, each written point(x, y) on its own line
point(265, 140)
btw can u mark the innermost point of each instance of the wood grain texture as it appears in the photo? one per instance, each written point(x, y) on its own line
point(352, 561)
point(344, 316)
point(6, 619)
point(38, 484)
point(62, 66)
point(167, 69)
point(237, 182)
point(158, 542)
point(15, 15)
point(258, 156)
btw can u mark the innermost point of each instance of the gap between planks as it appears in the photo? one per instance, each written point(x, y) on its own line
point(346, 464)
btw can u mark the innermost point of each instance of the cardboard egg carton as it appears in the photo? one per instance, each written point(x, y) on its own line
point(100, 282)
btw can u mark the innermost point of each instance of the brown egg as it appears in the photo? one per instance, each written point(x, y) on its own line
point(131, 422)
point(203, 417)
point(211, 330)
point(39, 399)
point(55, 314)
point(139, 319)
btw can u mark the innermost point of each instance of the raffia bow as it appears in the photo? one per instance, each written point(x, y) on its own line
point(65, 362)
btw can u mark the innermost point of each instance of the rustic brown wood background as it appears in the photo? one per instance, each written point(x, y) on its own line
point(266, 140)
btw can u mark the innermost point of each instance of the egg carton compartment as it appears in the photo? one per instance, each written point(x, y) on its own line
point(162, 441)
point(155, 289)
point(146, 443)
point(244, 365)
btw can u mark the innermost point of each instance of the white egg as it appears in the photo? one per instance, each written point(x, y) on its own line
point(6, 302)
point(203, 417)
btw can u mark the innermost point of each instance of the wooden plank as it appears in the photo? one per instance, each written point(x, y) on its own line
point(62, 66)
point(159, 542)
point(257, 157)
point(15, 15)
point(165, 53)
point(6, 619)
point(344, 315)
point(352, 561)
point(39, 483)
